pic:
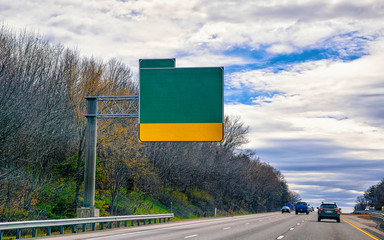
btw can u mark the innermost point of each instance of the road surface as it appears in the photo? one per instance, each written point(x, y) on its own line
point(258, 226)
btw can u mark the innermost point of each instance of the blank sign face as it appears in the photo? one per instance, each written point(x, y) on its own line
point(180, 104)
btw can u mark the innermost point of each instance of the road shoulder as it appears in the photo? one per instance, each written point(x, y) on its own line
point(364, 223)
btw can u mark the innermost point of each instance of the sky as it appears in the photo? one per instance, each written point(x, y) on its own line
point(306, 76)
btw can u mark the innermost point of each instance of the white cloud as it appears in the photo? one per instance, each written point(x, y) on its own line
point(204, 59)
point(148, 29)
point(280, 48)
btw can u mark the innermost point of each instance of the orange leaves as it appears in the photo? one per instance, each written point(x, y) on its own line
point(120, 151)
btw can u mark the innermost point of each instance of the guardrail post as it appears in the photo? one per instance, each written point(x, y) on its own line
point(118, 224)
point(83, 227)
point(93, 226)
point(102, 226)
point(18, 233)
point(48, 231)
point(154, 221)
point(1, 235)
point(150, 221)
point(132, 223)
point(144, 222)
point(125, 223)
point(73, 228)
point(61, 229)
point(138, 222)
point(111, 225)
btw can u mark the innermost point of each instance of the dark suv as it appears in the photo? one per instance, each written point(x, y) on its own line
point(329, 211)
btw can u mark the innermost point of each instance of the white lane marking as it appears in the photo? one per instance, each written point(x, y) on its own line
point(302, 221)
point(280, 237)
point(246, 223)
point(226, 228)
point(191, 236)
point(298, 224)
point(291, 229)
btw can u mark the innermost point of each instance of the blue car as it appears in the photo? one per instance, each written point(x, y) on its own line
point(301, 207)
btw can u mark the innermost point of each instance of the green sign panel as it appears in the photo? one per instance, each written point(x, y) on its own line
point(180, 104)
point(157, 63)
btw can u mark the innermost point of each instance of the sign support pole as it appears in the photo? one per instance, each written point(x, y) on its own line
point(90, 153)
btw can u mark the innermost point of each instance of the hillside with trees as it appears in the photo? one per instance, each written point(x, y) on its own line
point(42, 136)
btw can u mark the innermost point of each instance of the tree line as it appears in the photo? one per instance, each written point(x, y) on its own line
point(373, 197)
point(42, 140)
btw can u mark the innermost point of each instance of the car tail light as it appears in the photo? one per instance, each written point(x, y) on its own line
point(337, 210)
point(320, 209)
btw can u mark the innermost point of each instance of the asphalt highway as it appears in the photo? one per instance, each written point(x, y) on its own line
point(248, 227)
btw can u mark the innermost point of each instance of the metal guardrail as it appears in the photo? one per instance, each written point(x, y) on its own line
point(81, 221)
point(367, 211)
point(377, 215)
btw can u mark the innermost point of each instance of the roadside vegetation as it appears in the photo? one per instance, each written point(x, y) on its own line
point(372, 198)
point(42, 136)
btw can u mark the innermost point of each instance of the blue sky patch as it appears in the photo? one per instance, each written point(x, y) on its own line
point(344, 47)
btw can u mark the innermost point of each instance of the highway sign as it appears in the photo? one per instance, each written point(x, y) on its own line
point(180, 104)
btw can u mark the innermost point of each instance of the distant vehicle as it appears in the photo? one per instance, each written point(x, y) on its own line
point(309, 208)
point(371, 208)
point(328, 211)
point(288, 205)
point(301, 207)
point(285, 209)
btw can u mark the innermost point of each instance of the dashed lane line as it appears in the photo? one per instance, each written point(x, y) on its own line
point(226, 228)
point(280, 237)
point(191, 236)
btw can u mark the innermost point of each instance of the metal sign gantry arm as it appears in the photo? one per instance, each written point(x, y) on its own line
point(109, 107)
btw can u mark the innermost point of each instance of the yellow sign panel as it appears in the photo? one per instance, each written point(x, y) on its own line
point(171, 132)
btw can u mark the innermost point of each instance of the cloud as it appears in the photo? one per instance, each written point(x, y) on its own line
point(281, 48)
point(320, 122)
point(145, 29)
